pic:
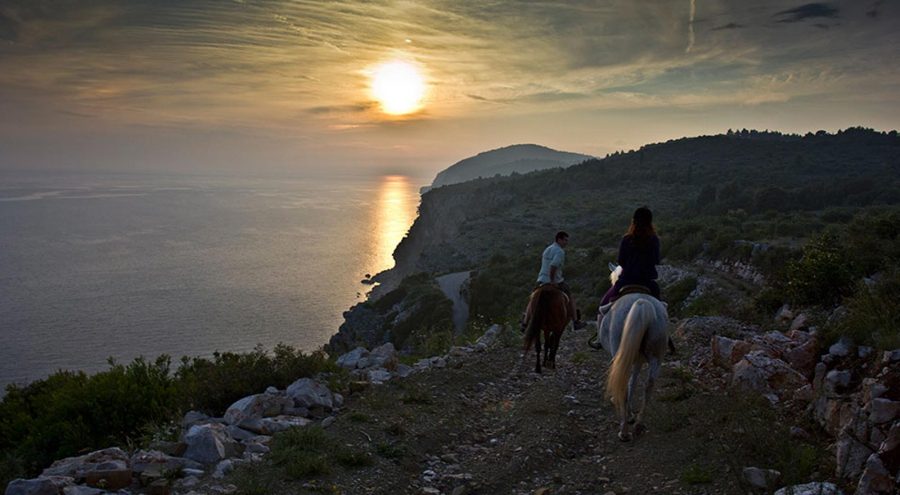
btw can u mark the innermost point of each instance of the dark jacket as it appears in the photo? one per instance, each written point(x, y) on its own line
point(638, 262)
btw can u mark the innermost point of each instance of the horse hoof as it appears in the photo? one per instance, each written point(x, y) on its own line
point(625, 437)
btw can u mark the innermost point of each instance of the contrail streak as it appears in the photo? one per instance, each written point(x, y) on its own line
point(691, 27)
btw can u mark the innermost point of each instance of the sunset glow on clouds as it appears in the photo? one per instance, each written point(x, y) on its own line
point(288, 83)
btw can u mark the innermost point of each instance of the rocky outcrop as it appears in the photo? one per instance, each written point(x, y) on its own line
point(852, 392)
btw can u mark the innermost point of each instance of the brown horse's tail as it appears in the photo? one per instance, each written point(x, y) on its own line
point(535, 321)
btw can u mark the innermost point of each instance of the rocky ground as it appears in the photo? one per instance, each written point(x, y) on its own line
point(486, 423)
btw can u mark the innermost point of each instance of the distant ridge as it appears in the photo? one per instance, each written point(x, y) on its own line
point(518, 158)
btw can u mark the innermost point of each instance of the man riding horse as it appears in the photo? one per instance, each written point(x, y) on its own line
point(552, 261)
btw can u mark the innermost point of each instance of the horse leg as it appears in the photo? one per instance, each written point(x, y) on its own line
point(548, 344)
point(625, 420)
point(537, 351)
point(652, 375)
point(556, 337)
point(632, 388)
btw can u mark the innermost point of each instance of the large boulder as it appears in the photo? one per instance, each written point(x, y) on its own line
point(383, 356)
point(78, 467)
point(351, 359)
point(209, 444)
point(757, 371)
point(43, 485)
point(876, 478)
point(310, 394)
point(257, 406)
point(726, 352)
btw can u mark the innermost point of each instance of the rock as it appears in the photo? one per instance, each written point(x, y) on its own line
point(384, 356)
point(143, 460)
point(206, 443)
point(37, 486)
point(257, 406)
point(309, 393)
point(175, 449)
point(438, 362)
point(328, 421)
point(803, 357)
point(257, 448)
point(192, 418)
point(78, 467)
point(864, 351)
point(837, 380)
point(784, 315)
point(351, 359)
point(891, 356)
point(272, 390)
point(819, 376)
point(804, 394)
point(759, 372)
point(726, 352)
point(238, 433)
point(378, 375)
point(110, 475)
point(338, 400)
point(761, 478)
point(875, 478)
point(841, 348)
point(403, 370)
point(872, 389)
point(489, 336)
point(159, 487)
point(223, 468)
point(800, 321)
point(814, 488)
point(82, 490)
point(883, 410)
point(851, 456)
point(800, 433)
point(542, 491)
point(270, 426)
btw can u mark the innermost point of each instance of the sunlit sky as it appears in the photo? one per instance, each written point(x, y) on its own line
point(278, 86)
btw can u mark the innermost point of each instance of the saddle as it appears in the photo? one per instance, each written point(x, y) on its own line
point(634, 289)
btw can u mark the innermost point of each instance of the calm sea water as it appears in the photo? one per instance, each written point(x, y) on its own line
point(99, 266)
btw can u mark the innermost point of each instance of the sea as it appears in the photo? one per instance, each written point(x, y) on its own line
point(100, 266)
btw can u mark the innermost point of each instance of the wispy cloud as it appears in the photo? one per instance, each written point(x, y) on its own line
point(300, 68)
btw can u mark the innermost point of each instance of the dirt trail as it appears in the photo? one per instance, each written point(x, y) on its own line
point(487, 424)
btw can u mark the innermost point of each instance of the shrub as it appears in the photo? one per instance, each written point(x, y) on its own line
point(873, 314)
point(823, 275)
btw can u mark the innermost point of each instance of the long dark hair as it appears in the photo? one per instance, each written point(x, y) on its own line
point(641, 229)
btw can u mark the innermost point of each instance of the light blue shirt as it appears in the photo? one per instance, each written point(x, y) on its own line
point(554, 255)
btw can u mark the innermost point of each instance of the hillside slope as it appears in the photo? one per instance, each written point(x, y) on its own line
point(518, 158)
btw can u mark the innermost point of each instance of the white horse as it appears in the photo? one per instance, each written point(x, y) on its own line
point(634, 332)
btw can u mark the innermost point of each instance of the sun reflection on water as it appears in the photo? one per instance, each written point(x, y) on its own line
point(395, 210)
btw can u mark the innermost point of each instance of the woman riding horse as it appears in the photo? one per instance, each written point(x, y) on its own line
point(638, 257)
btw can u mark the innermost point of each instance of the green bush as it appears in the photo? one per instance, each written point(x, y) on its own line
point(823, 275)
point(873, 314)
point(70, 412)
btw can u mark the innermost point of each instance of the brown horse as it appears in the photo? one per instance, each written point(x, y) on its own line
point(548, 310)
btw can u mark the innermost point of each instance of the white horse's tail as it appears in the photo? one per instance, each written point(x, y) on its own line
point(637, 322)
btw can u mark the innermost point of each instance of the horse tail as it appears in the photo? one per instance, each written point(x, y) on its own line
point(637, 322)
point(535, 322)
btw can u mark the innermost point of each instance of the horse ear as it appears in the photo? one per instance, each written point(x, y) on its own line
point(612, 267)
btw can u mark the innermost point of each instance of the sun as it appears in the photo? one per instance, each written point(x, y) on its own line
point(399, 87)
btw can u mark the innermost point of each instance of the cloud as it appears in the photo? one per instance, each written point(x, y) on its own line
point(730, 25)
point(808, 11)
